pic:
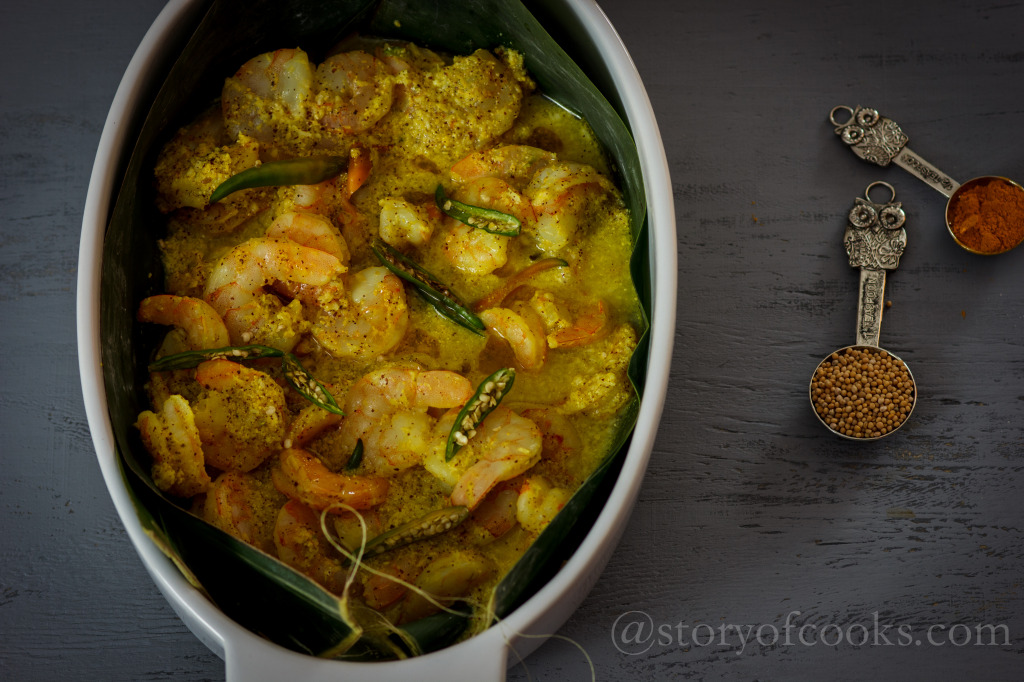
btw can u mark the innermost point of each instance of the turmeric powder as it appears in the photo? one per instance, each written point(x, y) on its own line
point(986, 215)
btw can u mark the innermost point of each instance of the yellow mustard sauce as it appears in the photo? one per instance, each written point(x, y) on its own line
point(417, 119)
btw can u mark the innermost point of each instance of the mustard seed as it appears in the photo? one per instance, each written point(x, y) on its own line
point(862, 392)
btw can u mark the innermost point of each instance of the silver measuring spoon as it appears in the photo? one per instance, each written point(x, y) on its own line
point(880, 140)
point(864, 392)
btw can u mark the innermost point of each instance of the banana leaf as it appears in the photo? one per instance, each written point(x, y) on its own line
point(292, 610)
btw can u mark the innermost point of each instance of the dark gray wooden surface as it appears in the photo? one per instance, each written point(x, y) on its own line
point(751, 516)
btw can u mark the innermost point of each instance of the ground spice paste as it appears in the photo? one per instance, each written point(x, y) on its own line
point(987, 215)
point(315, 271)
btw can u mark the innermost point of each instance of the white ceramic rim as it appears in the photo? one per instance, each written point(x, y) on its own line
point(484, 657)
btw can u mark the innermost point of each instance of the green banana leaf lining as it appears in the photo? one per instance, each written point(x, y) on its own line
point(291, 610)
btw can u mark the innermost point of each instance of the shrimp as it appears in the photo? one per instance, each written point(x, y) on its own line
point(494, 516)
point(474, 251)
point(483, 92)
point(240, 275)
point(302, 476)
point(562, 443)
point(539, 502)
point(381, 591)
point(558, 194)
point(301, 544)
point(523, 331)
point(477, 251)
point(516, 163)
point(202, 326)
point(590, 325)
point(387, 410)
point(240, 415)
point(311, 230)
point(236, 285)
point(197, 159)
point(330, 199)
point(445, 579)
point(244, 506)
point(368, 321)
point(403, 223)
point(562, 194)
point(172, 438)
point(354, 91)
point(268, 90)
point(505, 446)
point(309, 424)
point(606, 389)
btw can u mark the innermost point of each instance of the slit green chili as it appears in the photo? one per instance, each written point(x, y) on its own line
point(427, 526)
point(486, 219)
point(356, 458)
point(487, 396)
point(194, 358)
point(307, 385)
point(296, 375)
point(428, 287)
point(306, 171)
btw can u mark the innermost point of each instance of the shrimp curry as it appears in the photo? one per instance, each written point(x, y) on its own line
point(399, 334)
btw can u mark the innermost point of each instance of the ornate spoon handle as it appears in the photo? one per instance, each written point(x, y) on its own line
point(880, 140)
point(874, 241)
point(870, 304)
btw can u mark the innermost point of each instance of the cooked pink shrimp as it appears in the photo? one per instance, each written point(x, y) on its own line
point(403, 223)
point(242, 274)
point(312, 230)
point(387, 410)
point(202, 326)
point(559, 194)
point(236, 288)
point(271, 88)
point(505, 446)
point(309, 424)
point(301, 544)
point(539, 502)
point(515, 163)
point(197, 159)
point(381, 591)
point(354, 91)
point(562, 442)
point(494, 516)
point(301, 475)
point(173, 440)
point(475, 250)
point(240, 504)
point(369, 320)
point(484, 94)
point(524, 332)
point(240, 415)
point(562, 194)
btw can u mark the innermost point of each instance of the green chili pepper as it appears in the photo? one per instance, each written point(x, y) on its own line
point(427, 526)
point(486, 219)
point(427, 286)
point(305, 171)
point(304, 382)
point(357, 456)
point(194, 358)
point(488, 394)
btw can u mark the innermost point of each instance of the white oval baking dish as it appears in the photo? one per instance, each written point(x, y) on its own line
point(600, 53)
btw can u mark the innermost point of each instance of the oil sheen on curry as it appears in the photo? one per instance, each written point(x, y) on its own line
point(401, 327)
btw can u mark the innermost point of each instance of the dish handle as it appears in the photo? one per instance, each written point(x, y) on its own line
point(255, 660)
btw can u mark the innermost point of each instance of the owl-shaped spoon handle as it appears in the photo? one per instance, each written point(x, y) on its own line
point(874, 241)
point(880, 140)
